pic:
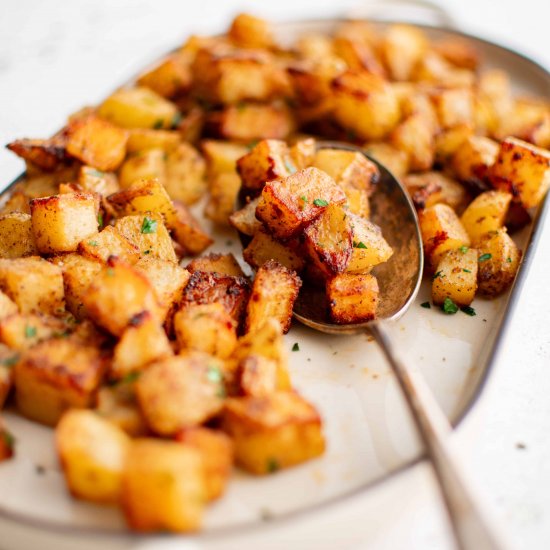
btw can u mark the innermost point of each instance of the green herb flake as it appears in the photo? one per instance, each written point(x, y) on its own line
point(296, 347)
point(290, 167)
point(304, 198)
point(359, 244)
point(484, 257)
point(96, 173)
point(320, 202)
point(214, 374)
point(272, 465)
point(30, 331)
point(509, 260)
point(100, 220)
point(252, 144)
point(464, 249)
point(176, 120)
point(437, 275)
point(468, 311)
point(93, 243)
point(147, 251)
point(10, 361)
point(131, 377)
point(9, 440)
point(158, 124)
point(426, 305)
point(61, 334)
point(449, 307)
point(149, 225)
point(466, 270)
point(241, 106)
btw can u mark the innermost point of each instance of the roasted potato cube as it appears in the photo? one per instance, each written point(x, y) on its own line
point(454, 106)
point(187, 231)
point(143, 139)
point(273, 432)
point(486, 213)
point(16, 235)
point(263, 247)
point(257, 376)
point(92, 452)
point(269, 160)
point(148, 164)
point(274, 292)
point(118, 293)
point(394, 159)
point(7, 306)
point(96, 142)
point(523, 170)
point(34, 284)
point(456, 277)
point(459, 52)
point(16, 202)
point(47, 154)
point(473, 158)
point(353, 298)
point(92, 180)
point(429, 188)
point(221, 156)
point(517, 217)
point(448, 141)
point(216, 450)
point(117, 404)
point(138, 107)
point(248, 31)
point(287, 206)
point(143, 342)
point(369, 246)
point(441, 230)
point(244, 220)
point(226, 264)
point(185, 174)
point(415, 136)
point(303, 152)
point(358, 55)
point(7, 443)
point(163, 486)
point(106, 243)
point(60, 222)
point(22, 331)
point(180, 392)
point(498, 262)
point(495, 86)
point(435, 69)
point(403, 46)
point(170, 78)
point(365, 104)
point(206, 327)
point(357, 202)
point(56, 375)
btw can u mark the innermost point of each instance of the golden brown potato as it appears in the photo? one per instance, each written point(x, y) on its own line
point(187, 230)
point(7, 306)
point(486, 213)
point(92, 452)
point(117, 404)
point(180, 392)
point(459, 52)
point(358, 55)
point(274, 292)
point(415, 137)
point(244, 220)
point(248, 31)
point(449, 140)
point(47, 154)
point(106, 243)
point(185, 174)
point(226, 264)
point(435, 69)
point(163, 486)
point(143, 139)
point(429, 188)
point(60, 222)
point(16, 202)
point(21, 331)
point(494, 86)
point(148, 164)
point(16, 235)
point(273, 432)
point(456, 277)
point(221, 156)
point(92, 180)
point(303, 151)
point(454, 106)
point(394, 159)
point(170, 78)
point(8, 359)
point(403, 46)
point(257, 376)
point(353, 298)
point(34, 284)
point(473, 158)
point(224, 189)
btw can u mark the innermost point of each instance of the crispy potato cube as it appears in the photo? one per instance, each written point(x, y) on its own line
point(523, 170)
point(143, 139)
point(357, 202)
point(16, 202)
point(224, 189)
point(92, 180)
point(248, 31)
point(495, 86)
point(187, 231)
point(7, 306)
point(365, 104)
point(429, 188)
point(441, 230)
point(60, 222)
point(448, 141)
point(96, 142)
point(303, 152)
point(16, 235)
point(148, 164)
point(358, 55)
point(138, 107)
point(34, 284)
point(56, 375)
point(473, 158)
point(517, 217)
point(7, 443)
point(274, 292)
point(185, 174)
point(273, 432)
point(216, 450)
point(486, 213)
point(206, 327)
point(257, 376)
point(46, 154)
point(369, 246)
point(269, 160)
point(353, 298)
point(456, 277)
point(143, 342)
point(459, 52)
point(22, 331)
point(244, 220)
point(454, 106)
point(118, 293)
point(117, 404)
point(394, 159)
point(226, 264)
point(287, 206)
point(435, 69)
point(403, 46)
point(180, 392)
point(163, 486)
point(499, 260)
point(106, 243)
point(328, 240)
point(92, 452)
point(221, 156)
point(415, 137)
point(171, 77)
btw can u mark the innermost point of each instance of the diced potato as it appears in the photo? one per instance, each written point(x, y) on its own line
point(429, 188)
point(415, 137)
point(96, 142)
point(435, 69)
point(454, 106)
point(474, 157)
point(226, 264)
point(34, 284)
point(394, 159)
point(302, 152)
point(106, 243)
point(263, 247)
point(56, 375)
point(221, 156)
point(499, 260)
point(60, 222)
point(22, 331)
point(163, 486)
point(441, 230)
point(403, 46)
point(448, 141)
point(9, 359)
point(358, 55)
point(117, 404)
point(495, 86)
point(92, 180)
point(369, 246)
point(138, 107)
point(456, 277)
point(143, 342)
point(274, 292)
point(143, 139)
point(16, 202)
point(517, 217)
point(459, 52)
point(7, 306)
point(92, 452)
point(287, 206)
point(248, 31)
point(257, 376)
point(244, 220)
point(180, 392)
point(486, 213)
point(185, 174)
point(273, 432)
point(47, 154)
point(365, 104)
point(216, 450)
point(206, 327)
point(147, 164)
point(170, 78)
point(523, 170)
point(16, 235)
point(357, 202)
point(118, 293)
point(7, 443)
point(353, 298)
point(187, 230)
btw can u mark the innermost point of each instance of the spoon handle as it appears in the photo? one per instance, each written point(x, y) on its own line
point(472, 527)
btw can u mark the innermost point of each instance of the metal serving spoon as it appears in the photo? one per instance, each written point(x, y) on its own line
point(399, 280)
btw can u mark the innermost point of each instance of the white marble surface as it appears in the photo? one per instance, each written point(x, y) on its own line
point(56, 56)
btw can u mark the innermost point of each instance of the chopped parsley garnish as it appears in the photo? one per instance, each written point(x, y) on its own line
point(252, 144)
point(359, 244)
point(296, 347)
point(30, 331)
point(426, 305)
point(320, 202)
point(484, 257)
point(131, 377)
point(149, 225)
point(176, 120)
point(466, 270)
point(10, 361)
point(147, 251)
point(9, 440)
point(96, 173)
point(61, 334)
point(468, 310)
point(290, 167)
point(272, 465)
point(214, 374)
point(158, 124)
point(437, 274)
point(509, 260)
point(100, 220)
point(464, 249)
point(449, 307)
point(93, 243)
point(304, 198)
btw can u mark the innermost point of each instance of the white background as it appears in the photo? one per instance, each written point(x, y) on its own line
point(56, 56)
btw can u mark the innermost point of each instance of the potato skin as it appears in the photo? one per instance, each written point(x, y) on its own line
point(456, 277)
point(16, 235)
point(353, 298)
